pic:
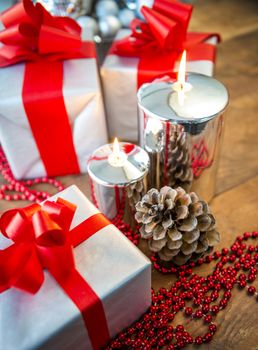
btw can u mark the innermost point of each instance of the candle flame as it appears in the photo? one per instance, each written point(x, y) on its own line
point(181, 79)
point(182, 69)
point(116, 147)
point(118, 157)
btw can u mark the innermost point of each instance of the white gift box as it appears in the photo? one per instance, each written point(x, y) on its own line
point(119, 77)
point(115, 269)
point(84, 106)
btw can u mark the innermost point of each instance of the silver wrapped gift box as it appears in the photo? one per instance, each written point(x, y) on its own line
point(119, 78)
point(114, 268)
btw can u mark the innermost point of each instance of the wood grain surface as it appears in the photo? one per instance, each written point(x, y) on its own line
point(236, 203)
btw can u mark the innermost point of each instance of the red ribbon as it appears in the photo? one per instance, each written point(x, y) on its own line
point(42, 239)
point(33, 35)
point(160, 40)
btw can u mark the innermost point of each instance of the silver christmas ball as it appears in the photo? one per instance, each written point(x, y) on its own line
point(88, 23)
point(126, 16)
point(109, 26)
point(106, 7)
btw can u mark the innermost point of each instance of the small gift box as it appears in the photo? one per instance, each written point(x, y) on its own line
point(79, 301)
point(151, 50)
point(51, 101)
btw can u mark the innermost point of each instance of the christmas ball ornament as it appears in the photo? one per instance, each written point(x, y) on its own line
point(88, 23)
point(177, 225)
point(109, 26)
point(126, 16)
point(106, 8)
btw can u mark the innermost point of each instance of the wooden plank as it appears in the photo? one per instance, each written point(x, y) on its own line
point(230, 18)
point(237, 69)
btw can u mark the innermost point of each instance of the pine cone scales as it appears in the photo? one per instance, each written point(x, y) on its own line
point(178, 225)
point(179, 163)
point(134, 192)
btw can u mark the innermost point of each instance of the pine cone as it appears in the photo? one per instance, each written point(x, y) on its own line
point(178, 225)
point(179, 170)
point(134, 192)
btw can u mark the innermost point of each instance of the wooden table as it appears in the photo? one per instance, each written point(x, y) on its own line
point(236, 203)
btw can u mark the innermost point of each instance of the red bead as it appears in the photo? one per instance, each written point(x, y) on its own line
point(224, 251)
point(197, 302)
point(214, 295)
point(223, 303)
point(247, 235)
point(227, 295)
point(251, 290)
point(207, 337)
point(217, 286)
point(189, 340)
point(198, 340)
point(198, 314)
point(180, 328)
point(188, 311)
point(208, 318)
point(232, 258)
point(239, 252)
point(251, 278)
point(205, 308)
point(171, 347)
point(242, 284)
point(215, 309)
point(216, 255)
point(212, 328)
point(200, 261)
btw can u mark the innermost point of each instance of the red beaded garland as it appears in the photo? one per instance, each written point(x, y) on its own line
point(197, 296)
point(21, 190)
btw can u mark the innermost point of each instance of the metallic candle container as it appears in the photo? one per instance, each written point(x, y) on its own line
point(183, 137)
point(117, 186)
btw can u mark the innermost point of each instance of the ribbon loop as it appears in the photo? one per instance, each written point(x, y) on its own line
point(32, 34)
point(39, 241)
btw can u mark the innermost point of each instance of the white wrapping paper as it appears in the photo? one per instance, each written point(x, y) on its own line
point(119, 77)
point(84, 105)
point(116, 270)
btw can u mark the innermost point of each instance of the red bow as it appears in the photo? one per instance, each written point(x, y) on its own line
point(32, 34)
point(40, 236)
point(165, 30)
point(42, 239)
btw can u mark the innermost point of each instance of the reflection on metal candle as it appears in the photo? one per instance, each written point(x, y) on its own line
point(188, 114)
point(118, 174)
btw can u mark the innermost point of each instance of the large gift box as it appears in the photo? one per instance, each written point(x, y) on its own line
point(150, 50)
point(78, 307)
point(52, 114)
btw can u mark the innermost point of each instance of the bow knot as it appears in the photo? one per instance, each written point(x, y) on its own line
point(165, 29)
point(32, 34)
point(40, 236)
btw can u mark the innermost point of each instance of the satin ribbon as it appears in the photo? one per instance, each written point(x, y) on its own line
point(33, 35)
point(42, 239)
point(159, 41)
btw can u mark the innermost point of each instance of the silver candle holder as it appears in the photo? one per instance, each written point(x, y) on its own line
point(118, 175)
point(181, 128)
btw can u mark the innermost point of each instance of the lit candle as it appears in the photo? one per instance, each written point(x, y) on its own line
point(181, 86)
point(118, 174)
point(117, 158)
point(190, 114)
